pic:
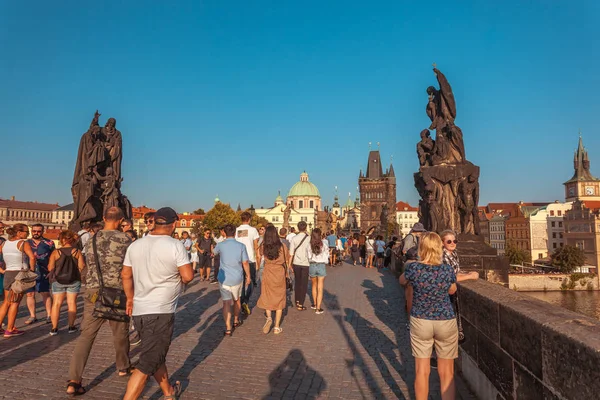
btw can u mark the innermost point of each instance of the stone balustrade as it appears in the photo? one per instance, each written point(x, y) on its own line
point(518, 347)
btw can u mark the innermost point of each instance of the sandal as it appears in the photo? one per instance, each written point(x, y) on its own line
point(238, 324)
point(31, 320)
point(228, 332)
point(267, 326)
point(78, 389)
point(176, 392)
point(300, 307)
point(277, 330)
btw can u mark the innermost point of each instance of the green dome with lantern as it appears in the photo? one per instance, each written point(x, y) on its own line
point(304, 188)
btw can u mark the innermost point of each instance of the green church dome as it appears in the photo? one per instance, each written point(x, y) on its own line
point(304, 188)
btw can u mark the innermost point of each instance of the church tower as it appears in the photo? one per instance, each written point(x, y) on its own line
point(376, 189)
point(583, 185)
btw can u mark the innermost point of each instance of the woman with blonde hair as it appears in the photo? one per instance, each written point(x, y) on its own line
point(432, 318)
point(18, 257)
point(67, 264)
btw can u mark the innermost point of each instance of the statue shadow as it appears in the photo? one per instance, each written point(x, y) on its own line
point(294, 377)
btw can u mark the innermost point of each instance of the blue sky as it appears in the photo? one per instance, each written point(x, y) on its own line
point(238, 98)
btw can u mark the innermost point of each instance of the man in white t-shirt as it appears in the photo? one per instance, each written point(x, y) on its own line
point(249, 236)
point(291, 235)
point(154, 272)
point(299, 261)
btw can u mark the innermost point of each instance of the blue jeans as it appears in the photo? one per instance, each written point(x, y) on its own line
point(74, 287)
point(247, 290)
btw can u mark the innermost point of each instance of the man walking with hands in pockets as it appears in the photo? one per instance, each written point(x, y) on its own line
point(155, 269)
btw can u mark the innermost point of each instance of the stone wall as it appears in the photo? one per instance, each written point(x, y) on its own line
point(522, 348)
point(550, 282)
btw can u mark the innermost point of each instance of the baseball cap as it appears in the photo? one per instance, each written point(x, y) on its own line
point(418, 227)
point(165, 216)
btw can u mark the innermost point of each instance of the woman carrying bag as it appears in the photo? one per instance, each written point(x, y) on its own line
point(273, 294)
point(19, 261)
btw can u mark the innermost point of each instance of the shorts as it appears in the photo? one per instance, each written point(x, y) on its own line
point(231, 292)
point(9, 278)
point(194, 257)
point(317, 270)
point(370, 252)
point(204, 261)
point(380, 255)
point(43, 284)
point(71, 288)
point(425, 334)
point(155, 332)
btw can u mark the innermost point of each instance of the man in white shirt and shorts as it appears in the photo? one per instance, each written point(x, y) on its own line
point(155, 270)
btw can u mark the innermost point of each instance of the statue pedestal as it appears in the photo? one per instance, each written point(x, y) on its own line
point(449, 196)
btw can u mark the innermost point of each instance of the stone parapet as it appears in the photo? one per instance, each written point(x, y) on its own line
point(522, 348)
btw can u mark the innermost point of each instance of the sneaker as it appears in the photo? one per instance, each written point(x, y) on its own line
point(135, 341)
point(73, 329)
point(313, 307)
point(53, 332)
point(14, 332)
point(214, 281)
point(319, 311)
point(48, 320)
point(31, 320)
point(246, 309)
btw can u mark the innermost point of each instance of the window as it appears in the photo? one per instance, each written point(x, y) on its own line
point(312, 204)
point(300, 203)
point(553, 224)
point(275, 219)
point(540, 255)
point(560, 224)
point(305, 219)
point(554, 245)
point(560, 235)
point(553, 235)
point(559, 213)
point(552, 213)
point(561, 244)
point(183, 222)
point(579, 245)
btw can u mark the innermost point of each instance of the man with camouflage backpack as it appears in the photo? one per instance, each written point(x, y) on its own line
point(111, 245)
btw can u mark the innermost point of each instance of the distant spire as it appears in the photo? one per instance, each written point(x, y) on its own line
point(239, 208)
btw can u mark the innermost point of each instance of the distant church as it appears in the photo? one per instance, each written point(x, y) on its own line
point(376, 189)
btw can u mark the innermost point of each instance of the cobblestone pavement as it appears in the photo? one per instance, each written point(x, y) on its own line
point(358, 349)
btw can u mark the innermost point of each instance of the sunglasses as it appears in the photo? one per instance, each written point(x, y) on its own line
point(36, 231)
point(451, 241)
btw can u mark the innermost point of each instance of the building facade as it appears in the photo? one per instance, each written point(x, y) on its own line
point(555, 224)
point(376, 189)
point(497, 227)
point(29, 213)
point(406, 217)
point(63, 215)
point(583, 185)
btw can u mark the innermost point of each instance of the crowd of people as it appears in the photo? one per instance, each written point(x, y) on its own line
point(133, 284)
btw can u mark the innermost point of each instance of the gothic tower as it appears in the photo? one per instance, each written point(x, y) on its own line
point(583, 185)
point(376, 189)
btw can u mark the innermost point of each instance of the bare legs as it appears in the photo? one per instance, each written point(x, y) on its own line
point(317, 290)
point(31, 303)
point(10, 309)
point(207, 273)
point(446, 371)
point(278, 314)
point(55, 315)
point(71, 308)
point(138, 379)
point(370, 260)
point(227, 312)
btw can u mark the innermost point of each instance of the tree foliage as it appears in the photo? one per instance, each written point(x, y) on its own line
point(516, 255)
point(199, 211)
point(219, 216)
point(567, 258)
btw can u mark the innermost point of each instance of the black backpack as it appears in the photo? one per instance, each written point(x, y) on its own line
point(67, 270)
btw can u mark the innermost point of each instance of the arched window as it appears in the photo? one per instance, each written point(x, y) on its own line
point(300, 203)
point(183, 222)
point(312, 204)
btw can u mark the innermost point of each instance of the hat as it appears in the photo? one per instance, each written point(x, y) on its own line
point(165, 216)
point(418, 227)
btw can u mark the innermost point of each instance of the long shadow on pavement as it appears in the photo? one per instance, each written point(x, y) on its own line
point(294, 376)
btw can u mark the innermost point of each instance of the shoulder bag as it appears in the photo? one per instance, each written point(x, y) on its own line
point(25, 279)
point(111, 302)
point(288, 281)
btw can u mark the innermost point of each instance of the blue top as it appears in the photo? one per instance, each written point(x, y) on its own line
point(380, 244)
point(233, 254)
point(332, 239)
point(430, 290)
point(344, 241)
point(42, 253)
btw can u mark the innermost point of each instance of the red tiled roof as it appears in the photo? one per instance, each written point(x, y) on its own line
point(28, 205)
point(52, 234)
point(403, 206)
point(138, 212)
point(188, 218)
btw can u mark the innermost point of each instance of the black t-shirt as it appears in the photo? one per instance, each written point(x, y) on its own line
point(205, 244)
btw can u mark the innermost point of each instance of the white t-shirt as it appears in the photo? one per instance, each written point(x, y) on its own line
point(84, 235)
point(322, 257)
point(155, 262)
point(290, 236)
point(247, 235)
point(300, 253)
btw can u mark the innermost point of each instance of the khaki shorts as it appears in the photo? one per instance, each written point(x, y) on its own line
point(231, 292)
point(424, 334)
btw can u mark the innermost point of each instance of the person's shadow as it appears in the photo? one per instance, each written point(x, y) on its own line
point(295, 377)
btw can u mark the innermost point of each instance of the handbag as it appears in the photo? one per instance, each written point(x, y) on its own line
point(23, 281)
point(110, 303)
point(461, 332)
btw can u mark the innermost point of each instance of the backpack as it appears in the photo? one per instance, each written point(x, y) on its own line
point(66, 271)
